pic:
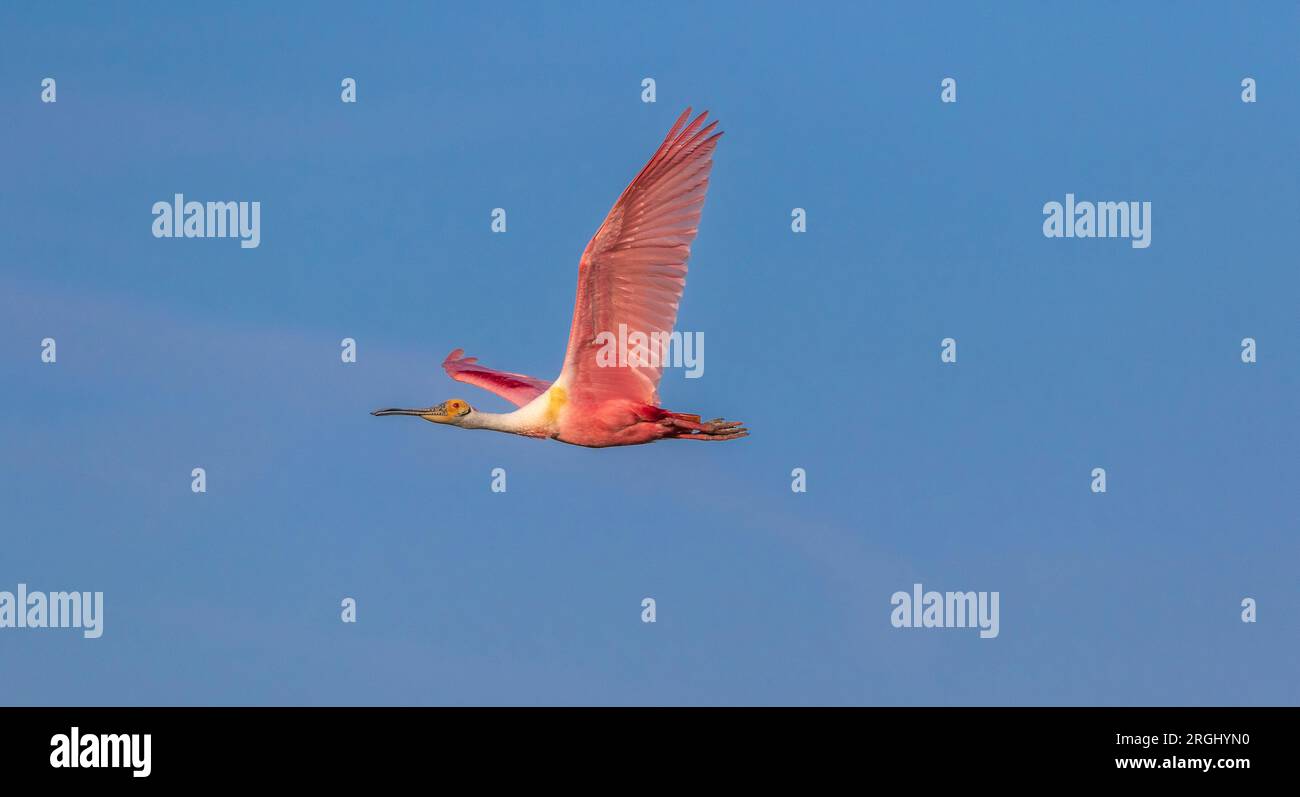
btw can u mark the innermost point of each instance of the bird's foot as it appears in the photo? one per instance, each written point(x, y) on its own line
point(715, 429)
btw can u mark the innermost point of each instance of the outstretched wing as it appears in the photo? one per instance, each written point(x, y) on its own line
point(515, 388)
point(633, 271)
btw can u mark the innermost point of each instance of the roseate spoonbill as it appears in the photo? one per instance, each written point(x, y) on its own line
point(632, 272)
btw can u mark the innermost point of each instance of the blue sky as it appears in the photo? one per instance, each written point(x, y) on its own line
point(924, 222)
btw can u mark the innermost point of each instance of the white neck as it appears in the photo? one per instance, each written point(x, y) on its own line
point(494, 421)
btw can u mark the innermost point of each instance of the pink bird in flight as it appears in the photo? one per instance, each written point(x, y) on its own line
point(632, 273)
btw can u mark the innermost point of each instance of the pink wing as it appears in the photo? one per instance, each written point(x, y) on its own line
point(515, 388)
point(634, 269)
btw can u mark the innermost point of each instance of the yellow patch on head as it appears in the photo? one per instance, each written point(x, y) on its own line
point(556, 398)
point(449, 411)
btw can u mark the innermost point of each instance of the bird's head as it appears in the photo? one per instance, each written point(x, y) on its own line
point(452, 411)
